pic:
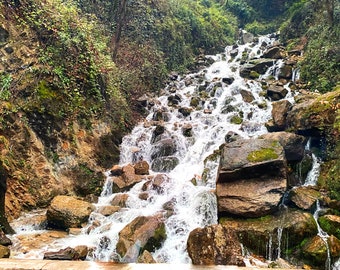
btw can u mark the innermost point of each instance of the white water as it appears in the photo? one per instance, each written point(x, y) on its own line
point(313, 174)
point(324, 236)
point(194, 205)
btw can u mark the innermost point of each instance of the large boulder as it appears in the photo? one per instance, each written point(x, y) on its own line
point(251, 178)
point(330, 224)
point(316, 249)
point(259, 66)
point(314, 115)
point(214, 245)
point(276, 92)
point(284, 232)
point(293, 145)
point(68, 254)
point(163, 148)
point(275, 52)
point(304, 197)
point(164, 164)
point(279, 114)
point(68, 212)
point(123, 178)
point(5, 252)
point(143, 233)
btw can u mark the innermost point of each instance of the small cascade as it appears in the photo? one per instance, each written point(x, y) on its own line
point(313, 174)
point(324, 236)
point(274, 70)
point(296, 74)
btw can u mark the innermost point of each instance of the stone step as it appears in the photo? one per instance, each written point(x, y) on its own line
point(24, 264)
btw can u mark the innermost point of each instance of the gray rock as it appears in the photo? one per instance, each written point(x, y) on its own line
point(252, 178)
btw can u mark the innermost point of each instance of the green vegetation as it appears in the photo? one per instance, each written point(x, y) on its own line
point(314, 26)
point(262, 155)
point(330, 227)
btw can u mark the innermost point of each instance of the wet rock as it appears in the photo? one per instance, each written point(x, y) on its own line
point(161, 115)
point(275, 52)
point(279, 113)
point(231, 137)
point(143, 233)
point(247, 96)
point(293, 145)
point(285, 72)
point(255, 234)
point(330, 224)
point(185, 111)
point(164, 164)
point(259, 66)
point(276, 92)
point(195, 101)
point(108, 210)
point(62, 254)
point(159, 130)
point(142, 167)
point(334, 246)
point(120, 200)
point(304, 197)
point(316, 249)
point(314, 115)
point(158, 182)
point(169, 207)
point(143, 101)
point(82, 251)
point(126, 180)
point(251, 178)
point(214, 245)
point(116, 171)
point(163, 148)
point(146, 257)
point(67, 212)
point(174, 100)
point(228, 80)
point(187, 130)
point(246, 37)
point(4, 240)
point(5, 252)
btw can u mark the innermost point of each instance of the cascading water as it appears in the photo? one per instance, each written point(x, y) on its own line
point(194, 205)
point(324, 236)
point(313, 174)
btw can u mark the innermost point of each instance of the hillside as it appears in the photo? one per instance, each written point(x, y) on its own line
point(72, 73)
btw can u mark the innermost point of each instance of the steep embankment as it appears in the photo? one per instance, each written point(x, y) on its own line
point(62, 113)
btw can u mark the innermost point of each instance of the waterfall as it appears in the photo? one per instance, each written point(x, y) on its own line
point(219, 89)
point(313, 174)
point(324, 236)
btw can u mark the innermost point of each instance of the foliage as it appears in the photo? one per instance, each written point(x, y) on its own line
point(309, 22)
point(5, 83)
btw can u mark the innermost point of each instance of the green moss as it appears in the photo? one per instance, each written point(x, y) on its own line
point(157, 239)
point(262, 155)
point(254, 75)
point(237, 120)
point(44, 91)
point(329, 227)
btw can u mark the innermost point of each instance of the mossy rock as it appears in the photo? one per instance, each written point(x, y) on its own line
point(330, 224)
point(263, 154)
point(237, 120)
point(254, 75)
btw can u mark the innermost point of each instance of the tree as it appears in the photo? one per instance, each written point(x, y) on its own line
point(329, 4)
point(121, 19)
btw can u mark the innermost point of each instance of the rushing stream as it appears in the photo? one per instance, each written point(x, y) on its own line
point(194, 205)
